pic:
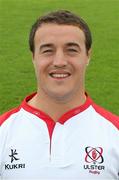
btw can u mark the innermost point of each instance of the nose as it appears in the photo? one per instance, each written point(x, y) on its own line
point(59, 59)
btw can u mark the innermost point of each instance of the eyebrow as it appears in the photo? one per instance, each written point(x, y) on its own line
point(73, 44)
point(69, 44)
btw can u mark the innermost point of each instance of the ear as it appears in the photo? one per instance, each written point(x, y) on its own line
point(89, 55)
point(32, 55)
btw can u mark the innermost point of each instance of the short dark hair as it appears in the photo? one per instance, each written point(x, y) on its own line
point(61, 17)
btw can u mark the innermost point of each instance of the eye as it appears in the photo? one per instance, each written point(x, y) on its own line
point(72, 50)
point(47, 51)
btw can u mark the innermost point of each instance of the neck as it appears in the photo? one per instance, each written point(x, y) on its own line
point(56, 108)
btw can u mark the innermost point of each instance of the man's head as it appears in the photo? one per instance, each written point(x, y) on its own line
point(61, 46)
point(61, 17)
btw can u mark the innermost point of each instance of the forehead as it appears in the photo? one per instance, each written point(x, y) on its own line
point(54, 32)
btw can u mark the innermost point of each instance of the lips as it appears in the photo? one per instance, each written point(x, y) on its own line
point(59, 75)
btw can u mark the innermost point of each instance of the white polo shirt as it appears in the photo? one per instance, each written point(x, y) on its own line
point(82, 144)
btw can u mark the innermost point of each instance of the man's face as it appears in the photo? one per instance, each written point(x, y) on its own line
point(60, 60)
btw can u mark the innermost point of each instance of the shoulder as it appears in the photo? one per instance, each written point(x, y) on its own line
point(6, 115)
point(114, 119)
point(11, 112)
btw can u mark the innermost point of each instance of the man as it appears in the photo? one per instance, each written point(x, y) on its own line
point(59, 132)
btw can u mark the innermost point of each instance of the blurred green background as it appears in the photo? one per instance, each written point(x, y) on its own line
point(16, 71)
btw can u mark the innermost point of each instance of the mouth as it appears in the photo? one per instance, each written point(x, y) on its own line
point(56, 75)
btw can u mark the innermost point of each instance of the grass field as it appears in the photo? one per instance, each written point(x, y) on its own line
point(16, 71)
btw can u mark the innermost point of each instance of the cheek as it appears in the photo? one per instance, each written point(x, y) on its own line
point(80, 70)
point(37, 67)
point(41, 69)
point(79, 65)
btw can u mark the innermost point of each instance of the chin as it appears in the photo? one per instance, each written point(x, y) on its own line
point(60, 97)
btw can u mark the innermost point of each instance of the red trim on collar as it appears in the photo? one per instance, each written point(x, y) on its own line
point(75, 110)
point(114, 119)
point(6, 115)
point(49, 121)
point(42, 115)
point(46, 117)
